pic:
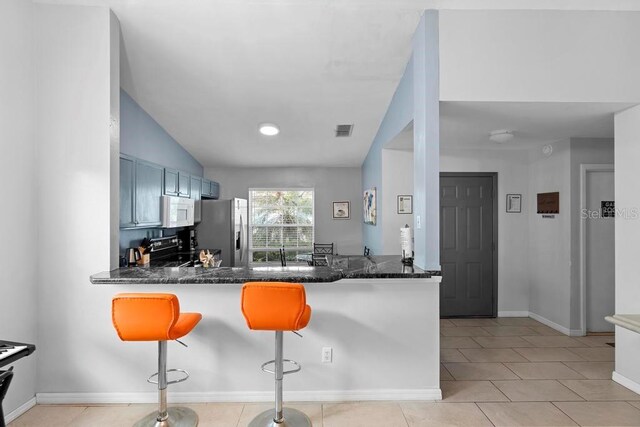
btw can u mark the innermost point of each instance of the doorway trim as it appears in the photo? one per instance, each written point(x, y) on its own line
point(584, 169)
point(494, 195)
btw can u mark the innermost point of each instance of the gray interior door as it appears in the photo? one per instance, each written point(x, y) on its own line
point(467, 246)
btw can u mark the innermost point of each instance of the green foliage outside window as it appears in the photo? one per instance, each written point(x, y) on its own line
point(280, 218)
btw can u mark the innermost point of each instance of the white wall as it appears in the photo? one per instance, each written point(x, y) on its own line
point(397, 179)
point(539, 56)
point(583, 151)
point(73, 51)
point(512, 168)
point(18, 314)
point(550, 239)
point(371, 325)
point(627, 158)
point(330, 184)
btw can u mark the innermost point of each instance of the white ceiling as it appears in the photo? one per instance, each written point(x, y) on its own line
point(209, 71)
point(466, 125)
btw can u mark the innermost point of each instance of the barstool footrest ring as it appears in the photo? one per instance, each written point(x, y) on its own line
point(179, 380)
point(291, 371)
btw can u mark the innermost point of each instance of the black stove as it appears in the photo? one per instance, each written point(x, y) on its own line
point(165, 252)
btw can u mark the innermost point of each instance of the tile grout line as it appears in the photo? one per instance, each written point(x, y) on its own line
point(446, 369)
point(240, 416)
point(579, 373)
point(404, 416)
point(502, 392)
point(568, 416)
point(514, 372)
point(484, 413)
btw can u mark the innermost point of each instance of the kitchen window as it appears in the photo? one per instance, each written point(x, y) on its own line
point(277, 218)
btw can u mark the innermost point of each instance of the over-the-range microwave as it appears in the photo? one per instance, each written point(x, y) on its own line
point(177, 212)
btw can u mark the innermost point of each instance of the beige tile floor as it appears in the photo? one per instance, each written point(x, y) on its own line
point(494, 372)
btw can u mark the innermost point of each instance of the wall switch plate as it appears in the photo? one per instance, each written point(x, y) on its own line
point(418, 224)
point(327, 354)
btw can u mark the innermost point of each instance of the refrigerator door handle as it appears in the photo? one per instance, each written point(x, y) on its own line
point(241, 239)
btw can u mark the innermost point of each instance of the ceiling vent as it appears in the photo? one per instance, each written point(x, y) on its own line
point(343, 130)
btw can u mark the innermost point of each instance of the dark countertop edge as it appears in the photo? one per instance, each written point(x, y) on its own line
point(239, 280)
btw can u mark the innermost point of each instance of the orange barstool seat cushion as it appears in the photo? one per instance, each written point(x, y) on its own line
point(275, 306)
point(150, 317)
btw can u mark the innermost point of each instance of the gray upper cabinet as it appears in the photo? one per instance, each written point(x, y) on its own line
point(206, 187)
point(171, 182)
point(210, 189)
point(148, 194)
point(215, 190)
point(142, 185)
point(141, 189)
point(184, 184)
point(196, 189)
point(176, 183)
point(127, 183)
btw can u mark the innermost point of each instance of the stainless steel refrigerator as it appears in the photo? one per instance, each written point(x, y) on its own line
point(224, 226)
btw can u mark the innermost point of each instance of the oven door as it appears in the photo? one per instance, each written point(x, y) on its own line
point(177, 212)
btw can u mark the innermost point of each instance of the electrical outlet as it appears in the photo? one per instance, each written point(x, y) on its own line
point(418, 225)
point(327, 354)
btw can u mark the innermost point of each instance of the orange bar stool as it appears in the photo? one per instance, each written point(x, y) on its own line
point(156, 317)
point(276, 306)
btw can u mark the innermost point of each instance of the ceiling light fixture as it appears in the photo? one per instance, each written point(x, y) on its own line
point(501, 136)
point(269, 129)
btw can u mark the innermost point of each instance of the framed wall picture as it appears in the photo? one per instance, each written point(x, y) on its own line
point(514, 203)
point(341, 210)
point(405, 204)
point(369, 206)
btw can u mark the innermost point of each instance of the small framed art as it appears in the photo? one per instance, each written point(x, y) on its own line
point(405, 204)
point(514, 203)
point(341, 210)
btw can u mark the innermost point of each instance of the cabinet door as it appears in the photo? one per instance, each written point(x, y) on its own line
point(215, 190)
point(184, 184)
point(206, 188)
point(196, 188)
point(149, 187)
point(127, 194)
point(171, 182)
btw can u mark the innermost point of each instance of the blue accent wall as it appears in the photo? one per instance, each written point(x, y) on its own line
point(142, 137)
point(398, 116)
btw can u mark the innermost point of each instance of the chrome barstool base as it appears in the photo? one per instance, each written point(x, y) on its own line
point(178, 417)
point(292, 418)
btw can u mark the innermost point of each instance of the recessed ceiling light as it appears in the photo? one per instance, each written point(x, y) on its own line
point(269, 129)
point(501, 136)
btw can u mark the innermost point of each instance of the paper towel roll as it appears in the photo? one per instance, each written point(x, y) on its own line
point(406, 242)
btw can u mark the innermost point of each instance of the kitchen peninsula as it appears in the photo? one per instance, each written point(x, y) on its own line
point(343, 267)
point(379, 317)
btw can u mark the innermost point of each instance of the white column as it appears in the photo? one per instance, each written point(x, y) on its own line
point(426, 142)
point(627, 195)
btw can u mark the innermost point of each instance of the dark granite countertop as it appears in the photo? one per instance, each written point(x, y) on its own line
point(342, 267)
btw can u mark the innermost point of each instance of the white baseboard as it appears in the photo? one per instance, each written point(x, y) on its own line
point(252, 396)
point(20, 410)
point(626, 382)
point(559, 328)
point(513, 314)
